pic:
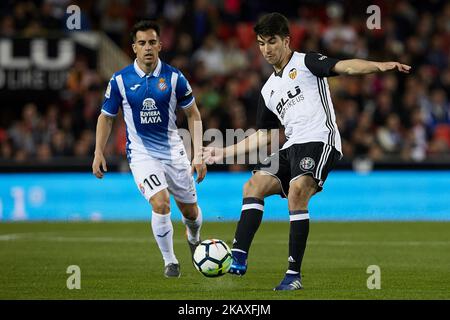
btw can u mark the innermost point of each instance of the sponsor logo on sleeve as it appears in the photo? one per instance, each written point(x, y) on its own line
point(108, 90)
point(188, 89)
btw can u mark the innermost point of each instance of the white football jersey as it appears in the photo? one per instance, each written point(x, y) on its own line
point(299, 97)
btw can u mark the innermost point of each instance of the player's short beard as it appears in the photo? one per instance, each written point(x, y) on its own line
point(285, 55)
point(279, 62)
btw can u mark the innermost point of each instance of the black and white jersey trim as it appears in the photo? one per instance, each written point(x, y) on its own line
point(329, 121)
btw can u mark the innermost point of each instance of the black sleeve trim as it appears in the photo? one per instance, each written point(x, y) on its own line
point(265, 119)
point(320, 65)
point(185, 98)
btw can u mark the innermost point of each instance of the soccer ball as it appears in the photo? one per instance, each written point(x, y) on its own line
point(212, 258)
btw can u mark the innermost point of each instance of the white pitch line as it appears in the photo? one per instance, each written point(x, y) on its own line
point(62, 238)
point(45, 237)
point(380, 243)
point(9, 237)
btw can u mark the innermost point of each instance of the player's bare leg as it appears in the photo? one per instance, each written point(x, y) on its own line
point(300, 192)
point(192, 219)
point(259, 186)
point(163, 231)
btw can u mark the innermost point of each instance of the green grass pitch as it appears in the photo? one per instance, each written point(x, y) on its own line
point(121, 261)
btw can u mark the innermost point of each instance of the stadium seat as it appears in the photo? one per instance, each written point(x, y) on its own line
point(298, 33)
point(245, 35)
point(442, 132)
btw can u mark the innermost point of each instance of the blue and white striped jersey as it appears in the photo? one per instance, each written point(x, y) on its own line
point(149, 102)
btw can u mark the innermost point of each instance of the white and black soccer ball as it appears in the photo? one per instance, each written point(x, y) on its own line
point(212, 258)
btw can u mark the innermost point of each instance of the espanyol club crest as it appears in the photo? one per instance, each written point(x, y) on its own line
point(293, 73)
point(162, 84)
point(307, 163)
point(141, 187)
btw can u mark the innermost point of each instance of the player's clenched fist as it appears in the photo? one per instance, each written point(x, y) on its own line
point(98, 165)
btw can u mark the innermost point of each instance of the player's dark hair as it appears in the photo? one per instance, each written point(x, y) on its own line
point(272, 24)
point(144, 25)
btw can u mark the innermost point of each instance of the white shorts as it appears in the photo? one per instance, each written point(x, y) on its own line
point(152, 175)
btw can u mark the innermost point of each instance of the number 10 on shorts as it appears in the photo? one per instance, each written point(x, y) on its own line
point(152, 181)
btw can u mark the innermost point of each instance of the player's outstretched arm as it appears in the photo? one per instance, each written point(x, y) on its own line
point(359, 67)
point(260, 138)
point(196, 130)
point(104, 127)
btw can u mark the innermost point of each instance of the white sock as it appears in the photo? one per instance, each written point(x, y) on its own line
point(193, 227)
point(163, 232)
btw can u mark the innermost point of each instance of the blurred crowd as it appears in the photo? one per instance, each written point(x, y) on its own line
point(382, 117)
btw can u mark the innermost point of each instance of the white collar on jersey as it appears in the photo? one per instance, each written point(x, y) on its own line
point(142, 74)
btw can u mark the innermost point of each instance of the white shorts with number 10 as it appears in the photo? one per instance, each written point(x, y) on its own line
point(152, 175)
